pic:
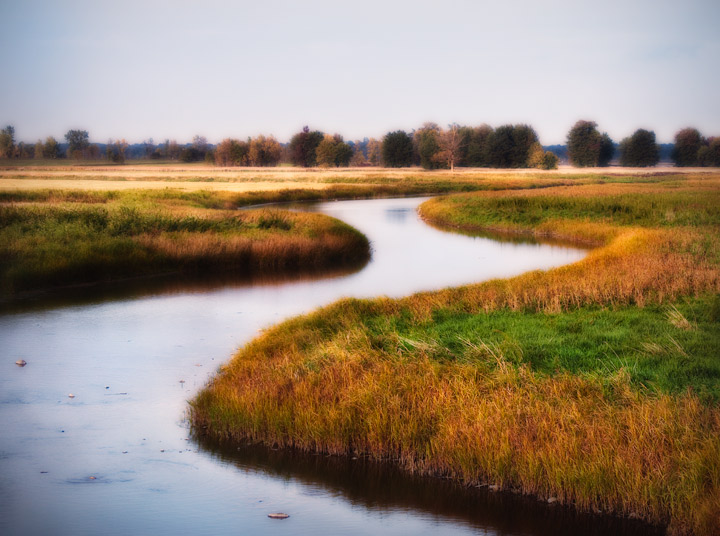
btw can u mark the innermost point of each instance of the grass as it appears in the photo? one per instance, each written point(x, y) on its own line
point(52, 238)
point(596, 383)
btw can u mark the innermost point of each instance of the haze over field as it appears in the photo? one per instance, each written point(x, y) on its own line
point(221, 68)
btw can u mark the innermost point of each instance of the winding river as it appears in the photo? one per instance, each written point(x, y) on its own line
point(117, 457)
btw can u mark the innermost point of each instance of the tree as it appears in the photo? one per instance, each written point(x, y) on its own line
point(232, 152)
point(709, 155)
point(550, 160)
point(115, 151)
point(358, 158)
point(639, 150)
point(7, 142)
point(477, 147)
point(38, 152)
point(539, 158)
point(607, 150)
point(264, 151)
point(51, 148)
point(428, 145)
point(536, 156)
point(374, 152)
point(303, 146)
point(509, 146)
point(450, 146)
point(78, 143)
point(148, 148)
point(584, 144)
point(397, 149)
point(332, 151)
point(343, 152)
point(688, 142)
point(173, 150)
point(200, 144)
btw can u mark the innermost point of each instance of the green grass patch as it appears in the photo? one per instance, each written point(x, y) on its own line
point(669, 348)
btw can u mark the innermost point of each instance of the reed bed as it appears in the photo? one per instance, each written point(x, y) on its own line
point(430, 382)
point(50, 239)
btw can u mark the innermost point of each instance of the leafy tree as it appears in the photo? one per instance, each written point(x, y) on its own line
point(607, 150)
point(24, 150)
point(477, 147)
point(688, 142)
point(550, 160)
point(509, 146)
point(264, 151)
point(190, 154)
point(51, 148)
point(78, 143)
point(115, 151)
point(7, 142)
point(303, 146)
point(640, 149)
point(38, 152)
point(397, 149)
point(332, 151)
point(709, 155)
point(358, 158)
point(374, 152)
point(584, 144)
point(427, 140)
point(538, 158)
point(344, 152)
point(451, 145)
point(232, 152)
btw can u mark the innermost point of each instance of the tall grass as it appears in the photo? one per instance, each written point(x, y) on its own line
point(56, 242)
point(582, 383)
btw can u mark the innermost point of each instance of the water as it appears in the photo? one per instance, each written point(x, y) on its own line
point(117, 458)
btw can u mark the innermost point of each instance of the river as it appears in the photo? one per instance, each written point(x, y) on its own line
point(117, 457)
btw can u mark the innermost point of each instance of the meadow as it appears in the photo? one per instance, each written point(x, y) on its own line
point(595, 385)
point(54, 238)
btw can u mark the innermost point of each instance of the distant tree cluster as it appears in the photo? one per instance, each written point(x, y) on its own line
point(508, 146)
point(693, 149)
point(261, 151)
point(430, 146)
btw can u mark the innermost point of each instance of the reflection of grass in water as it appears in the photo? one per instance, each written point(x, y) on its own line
point(381, 486)
point(582, 382)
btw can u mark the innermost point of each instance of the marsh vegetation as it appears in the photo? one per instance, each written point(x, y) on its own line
point(596, 383)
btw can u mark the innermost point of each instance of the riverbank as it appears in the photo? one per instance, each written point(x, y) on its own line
point(52, 238)
point(594, 385)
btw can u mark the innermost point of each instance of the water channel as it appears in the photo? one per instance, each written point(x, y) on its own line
point(117, 458)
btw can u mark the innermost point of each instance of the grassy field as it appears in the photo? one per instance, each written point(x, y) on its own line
point(50, 238)
point(597, 384)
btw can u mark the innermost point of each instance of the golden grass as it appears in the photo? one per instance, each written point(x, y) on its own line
point(326, 382)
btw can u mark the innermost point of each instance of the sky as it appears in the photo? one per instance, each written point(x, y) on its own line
point(175, 69)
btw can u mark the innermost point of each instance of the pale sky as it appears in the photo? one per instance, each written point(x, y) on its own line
point(174, 69)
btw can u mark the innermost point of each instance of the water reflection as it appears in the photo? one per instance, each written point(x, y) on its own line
point(382, 486)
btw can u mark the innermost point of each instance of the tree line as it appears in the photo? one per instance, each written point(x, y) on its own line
point(430, 146)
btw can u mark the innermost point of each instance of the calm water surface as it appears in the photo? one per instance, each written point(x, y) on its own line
point(118, 458)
